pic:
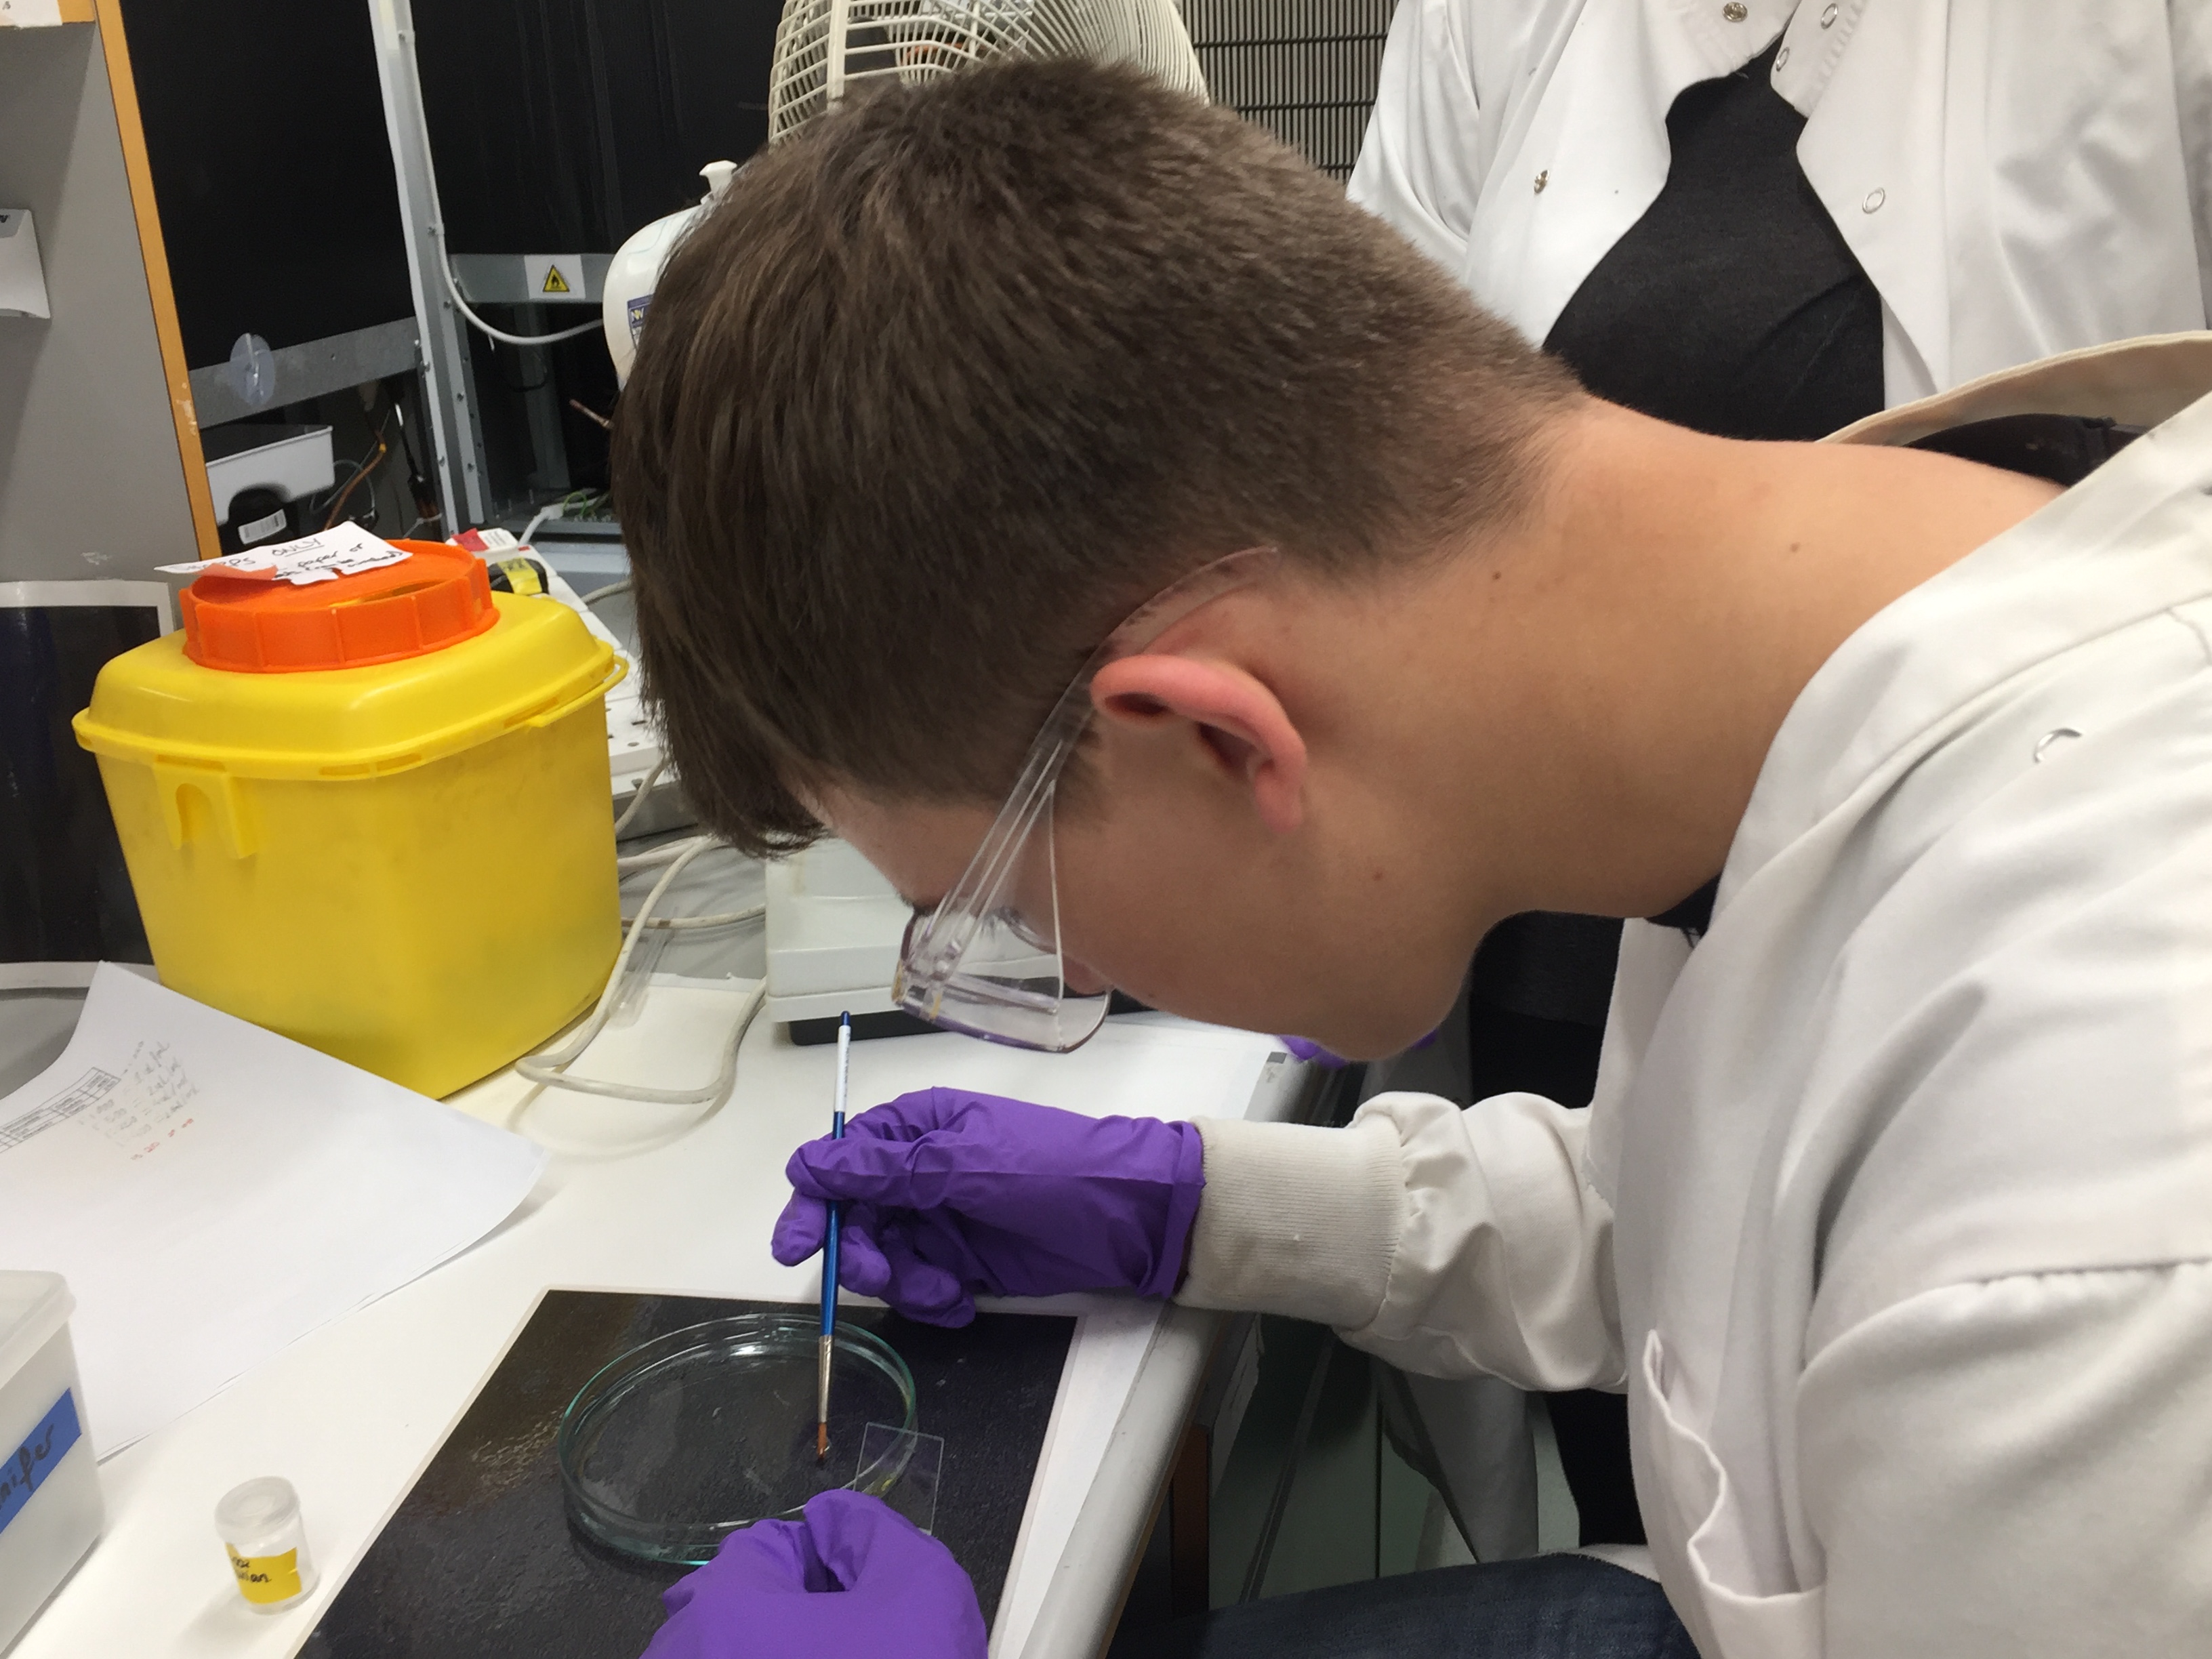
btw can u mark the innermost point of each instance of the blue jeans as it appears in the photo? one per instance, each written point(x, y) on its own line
point(1550, 1607)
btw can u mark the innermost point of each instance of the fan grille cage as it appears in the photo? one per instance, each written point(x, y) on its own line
point(824, 48)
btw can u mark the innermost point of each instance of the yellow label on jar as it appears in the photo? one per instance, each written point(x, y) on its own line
point(266, 1578)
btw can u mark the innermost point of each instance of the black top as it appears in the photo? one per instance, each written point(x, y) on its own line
point(1734, 304)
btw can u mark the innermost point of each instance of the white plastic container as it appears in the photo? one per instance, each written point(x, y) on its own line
point(833, 926)
point(634, 270)
point(50, 1509)
point(23, 277)
point(291, 460)
point(260, 1527)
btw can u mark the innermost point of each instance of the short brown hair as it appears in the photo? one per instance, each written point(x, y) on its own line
point(963, 373)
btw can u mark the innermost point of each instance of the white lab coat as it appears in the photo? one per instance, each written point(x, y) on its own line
point(2018, 177)
point(1893, 1210)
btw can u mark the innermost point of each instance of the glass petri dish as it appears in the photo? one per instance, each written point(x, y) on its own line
point(684, 1439)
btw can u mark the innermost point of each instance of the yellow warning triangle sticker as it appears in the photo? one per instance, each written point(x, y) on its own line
point(555, 282)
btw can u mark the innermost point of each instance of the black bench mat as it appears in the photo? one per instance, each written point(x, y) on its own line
point(480, 1558)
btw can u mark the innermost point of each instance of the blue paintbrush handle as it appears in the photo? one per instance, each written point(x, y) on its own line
point(836, 1132)
point(829, 1274)
point(826, 1346)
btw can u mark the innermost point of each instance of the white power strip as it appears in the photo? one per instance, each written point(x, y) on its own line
point(633, 743)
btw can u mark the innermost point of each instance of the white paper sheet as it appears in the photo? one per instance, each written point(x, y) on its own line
point(346, 551)
point(213, 1192)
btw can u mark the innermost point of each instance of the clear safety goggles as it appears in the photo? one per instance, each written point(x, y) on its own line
point(986, 961)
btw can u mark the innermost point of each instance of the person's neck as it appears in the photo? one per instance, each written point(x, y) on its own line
point(1644, 635)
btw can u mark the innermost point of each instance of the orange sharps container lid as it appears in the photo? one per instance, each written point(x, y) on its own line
point(436, 597)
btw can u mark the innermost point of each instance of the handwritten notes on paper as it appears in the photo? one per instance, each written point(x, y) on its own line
point(139, 1109)
point(172, 1146)
point(346, 550)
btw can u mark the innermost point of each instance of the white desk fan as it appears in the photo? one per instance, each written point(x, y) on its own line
point(825, 47)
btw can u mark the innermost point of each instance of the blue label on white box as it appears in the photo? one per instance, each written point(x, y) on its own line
point(30, 1463)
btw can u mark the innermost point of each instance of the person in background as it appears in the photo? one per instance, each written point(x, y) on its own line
point(1764, 219)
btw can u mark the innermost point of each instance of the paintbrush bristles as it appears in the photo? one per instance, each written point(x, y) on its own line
point(823, 1351)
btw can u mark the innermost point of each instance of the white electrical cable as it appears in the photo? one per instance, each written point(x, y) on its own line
point(549, 1067)
point(714, 1091)
point(725, 919)
point(608, 592)
point(438, 226)
point(558, 510)
point(630, 863)
point(454, 291)
point(638, 802)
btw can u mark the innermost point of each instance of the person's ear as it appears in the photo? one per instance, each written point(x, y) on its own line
point(1239, 723)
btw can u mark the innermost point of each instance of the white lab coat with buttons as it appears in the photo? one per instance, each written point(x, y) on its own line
point(1893, 1210)
point(2018, 177)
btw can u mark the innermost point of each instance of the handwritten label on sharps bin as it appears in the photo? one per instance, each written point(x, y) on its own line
point(34, 1459)
point(266, 1578)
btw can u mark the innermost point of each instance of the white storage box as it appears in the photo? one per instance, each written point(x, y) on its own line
point(833, 928)
point(50, 1509)
point(22, 278)
point(291, 460)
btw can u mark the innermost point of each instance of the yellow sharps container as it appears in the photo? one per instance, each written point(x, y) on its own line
point(371, 813)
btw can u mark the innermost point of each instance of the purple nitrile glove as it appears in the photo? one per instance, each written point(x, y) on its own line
point(949, 1195)
point(855, 1577)
point(1306, 1048)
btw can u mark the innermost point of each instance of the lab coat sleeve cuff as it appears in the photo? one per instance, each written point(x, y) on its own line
point(1296, 1220)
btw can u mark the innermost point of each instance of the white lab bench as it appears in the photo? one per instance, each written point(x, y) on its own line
point(670, 1199)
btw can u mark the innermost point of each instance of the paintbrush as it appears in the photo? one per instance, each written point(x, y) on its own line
point(827, 1344)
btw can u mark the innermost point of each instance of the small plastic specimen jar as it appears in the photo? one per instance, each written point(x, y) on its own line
point(259, 1525)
